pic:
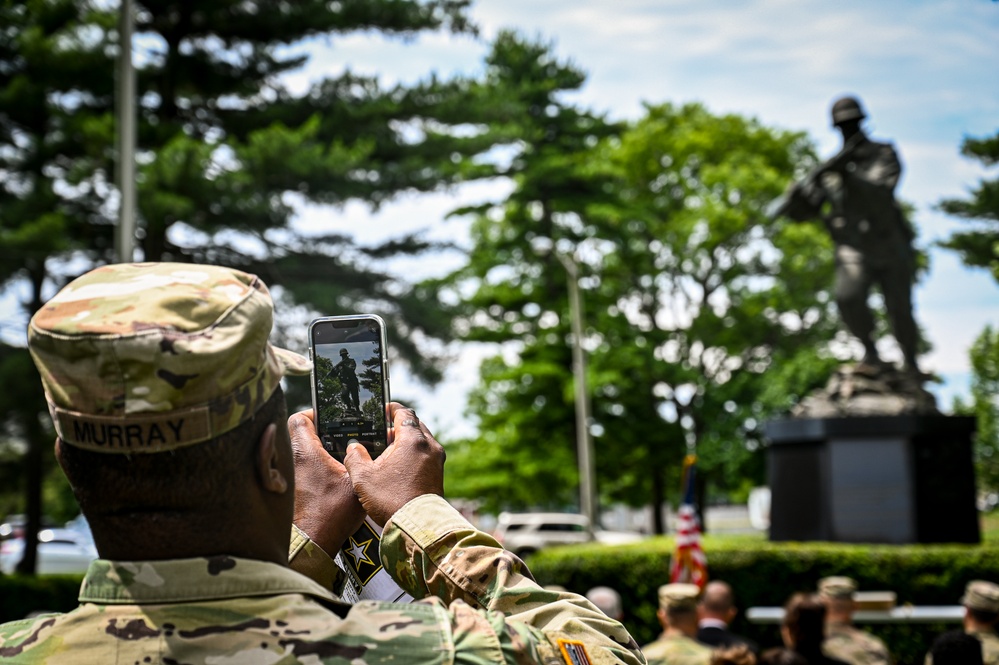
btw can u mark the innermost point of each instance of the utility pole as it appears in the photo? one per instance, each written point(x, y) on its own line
point(126, 133)
point(584, 442)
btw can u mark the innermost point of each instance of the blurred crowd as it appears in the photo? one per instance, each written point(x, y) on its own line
point(817, 628)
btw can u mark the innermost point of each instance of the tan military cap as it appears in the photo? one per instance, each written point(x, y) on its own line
point(142, 358)
point(981, 595)
point(678, 596)
point(837, 587)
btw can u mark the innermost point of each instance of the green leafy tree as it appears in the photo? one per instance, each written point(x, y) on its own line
point(370, 378)
point(525, 455)
point(328, 388)
point(979, 247)
point(703, 317)
point(706, 303)
point(984, 355)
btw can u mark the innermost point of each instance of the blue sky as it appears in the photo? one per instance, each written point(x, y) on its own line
point(925, 69)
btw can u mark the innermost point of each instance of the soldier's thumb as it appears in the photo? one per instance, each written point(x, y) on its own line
point(357, 461)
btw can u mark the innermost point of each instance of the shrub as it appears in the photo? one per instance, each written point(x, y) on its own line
point(21, 595)
point(766, 574)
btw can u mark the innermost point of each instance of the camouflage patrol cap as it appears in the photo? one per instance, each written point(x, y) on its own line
point(981, 595)
point(147, 357)
point(678, 596)
point(837, 587)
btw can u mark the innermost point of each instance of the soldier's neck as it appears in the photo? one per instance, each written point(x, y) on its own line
point(180, 535)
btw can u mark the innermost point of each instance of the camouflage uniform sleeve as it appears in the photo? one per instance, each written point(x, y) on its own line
point(309, 559)
point(430, 550)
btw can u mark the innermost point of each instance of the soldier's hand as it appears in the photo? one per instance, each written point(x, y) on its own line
point(325, 505)
point(413, 465)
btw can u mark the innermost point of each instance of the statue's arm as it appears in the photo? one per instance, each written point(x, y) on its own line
point(886, 170)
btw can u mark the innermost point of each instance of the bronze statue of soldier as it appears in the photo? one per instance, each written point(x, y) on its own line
point(853, 193)
point(346, 371)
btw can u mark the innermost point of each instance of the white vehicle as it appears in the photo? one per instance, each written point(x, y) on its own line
point(526, 533)
point(60, 551)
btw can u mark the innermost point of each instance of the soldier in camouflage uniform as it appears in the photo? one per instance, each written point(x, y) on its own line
point(843, 640)
point(981, 616)
point(678, 616)
point(171, 425)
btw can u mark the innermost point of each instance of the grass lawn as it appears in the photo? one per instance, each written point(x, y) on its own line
point(990, 528)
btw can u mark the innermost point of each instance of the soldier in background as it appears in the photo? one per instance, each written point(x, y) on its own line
point(607, 601)
point(173, 433)
point(854, 194)
point(843, 640)
point(678, 616)
point(981, 615)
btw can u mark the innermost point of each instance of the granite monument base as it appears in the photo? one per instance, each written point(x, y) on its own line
point(874, 479)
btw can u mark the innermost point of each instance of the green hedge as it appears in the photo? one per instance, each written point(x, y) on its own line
point(761, 573)
point(19, 595)
point(766, 574)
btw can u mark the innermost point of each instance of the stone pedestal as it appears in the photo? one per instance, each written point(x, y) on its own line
point(873, 479)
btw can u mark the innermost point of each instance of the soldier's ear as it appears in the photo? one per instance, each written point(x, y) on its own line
point(58, 453)
point(270, 468)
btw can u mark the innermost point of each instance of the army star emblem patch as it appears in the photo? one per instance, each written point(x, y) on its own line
point(359, 545)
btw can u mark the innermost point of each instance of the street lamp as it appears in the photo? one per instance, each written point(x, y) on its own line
point(584, 442)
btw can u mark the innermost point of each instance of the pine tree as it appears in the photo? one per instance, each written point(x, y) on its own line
point(226, 152)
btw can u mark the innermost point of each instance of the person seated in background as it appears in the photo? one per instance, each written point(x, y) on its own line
point(715, 612)
point(843, 639)
point(678, 616)
point(738, 654)
point(803, 628)
point(956, 647)
point(981, 614)
point(607, 601)
point(173, 432)
point(781, 656)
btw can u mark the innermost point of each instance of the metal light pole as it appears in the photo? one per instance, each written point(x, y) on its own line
point(125, 236)
point(584, 442)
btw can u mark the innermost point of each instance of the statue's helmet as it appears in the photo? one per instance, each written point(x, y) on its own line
point(845, 109)
point(343, 352)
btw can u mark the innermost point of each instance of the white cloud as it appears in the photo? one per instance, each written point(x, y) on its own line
point(925, 70)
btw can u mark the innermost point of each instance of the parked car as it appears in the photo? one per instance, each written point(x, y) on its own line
point(60, 551)
point(13, 525)
point(525, 533)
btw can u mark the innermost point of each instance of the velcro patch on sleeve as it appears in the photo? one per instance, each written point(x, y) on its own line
point(574, 653)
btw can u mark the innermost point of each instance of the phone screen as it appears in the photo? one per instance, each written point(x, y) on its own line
point(350, 386)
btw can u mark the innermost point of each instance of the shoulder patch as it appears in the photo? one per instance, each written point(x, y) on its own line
point(574, 653)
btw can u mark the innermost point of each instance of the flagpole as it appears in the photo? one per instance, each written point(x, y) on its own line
point(584, 442)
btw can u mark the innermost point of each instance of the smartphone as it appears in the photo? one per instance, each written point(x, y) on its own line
point(350, 382)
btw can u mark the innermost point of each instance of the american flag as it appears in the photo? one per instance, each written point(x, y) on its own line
point(689, 563)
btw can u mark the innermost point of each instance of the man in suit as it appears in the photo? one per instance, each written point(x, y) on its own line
point(716, 611)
